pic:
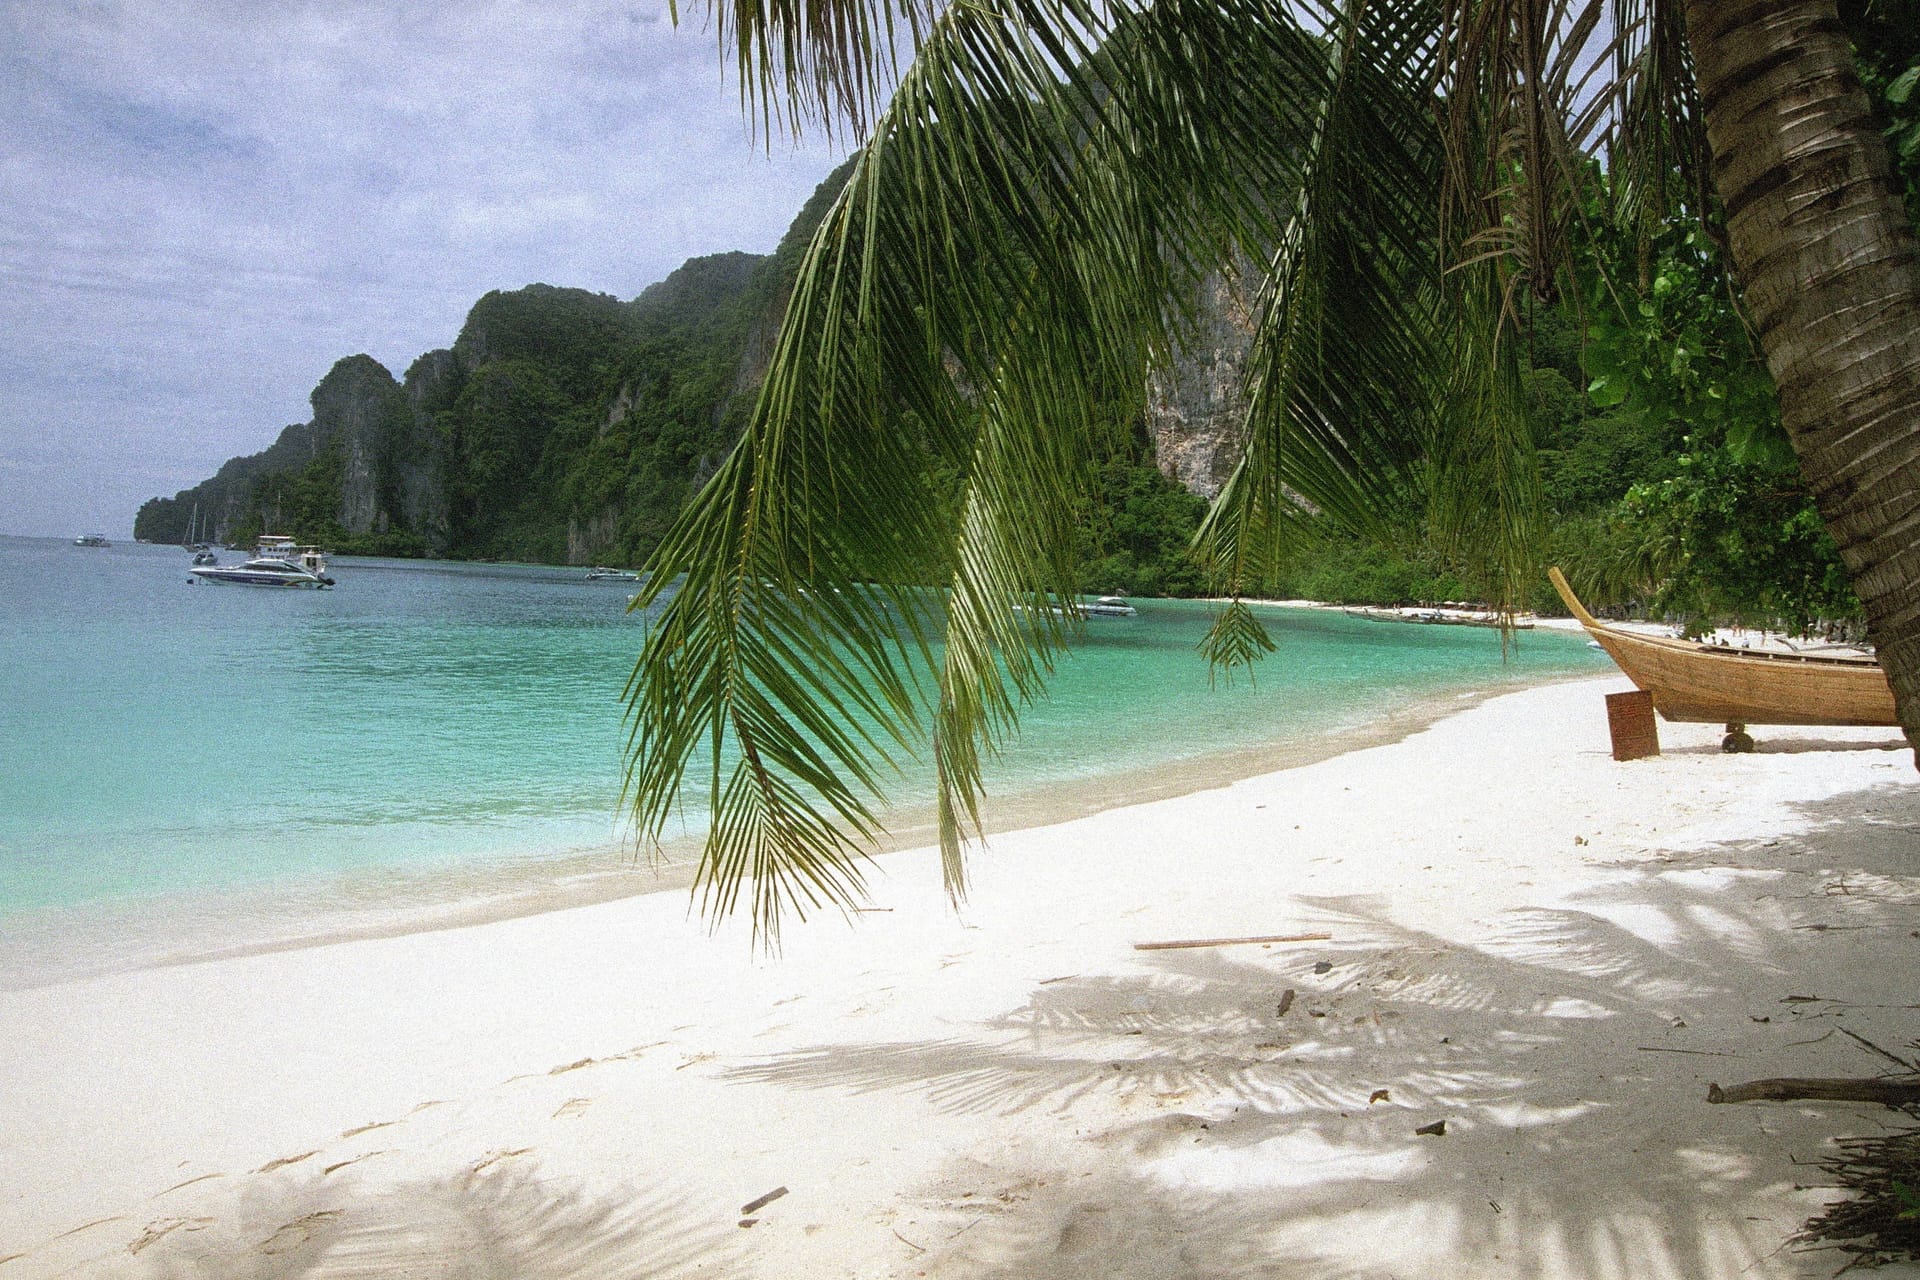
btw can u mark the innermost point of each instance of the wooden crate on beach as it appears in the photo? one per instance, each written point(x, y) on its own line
point(1630, 723)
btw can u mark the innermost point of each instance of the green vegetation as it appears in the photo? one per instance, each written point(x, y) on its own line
point(1669, 487)
point(1346, 570)
point(1136, 536)
point(1705, 515)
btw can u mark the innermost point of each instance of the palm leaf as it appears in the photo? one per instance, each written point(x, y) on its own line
point(1046, 189)
point(989, 291)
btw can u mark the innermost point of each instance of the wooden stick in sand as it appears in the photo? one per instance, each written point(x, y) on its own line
point(1894, 1093)
point(1231, 942)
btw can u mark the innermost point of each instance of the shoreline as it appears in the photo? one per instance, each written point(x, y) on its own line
point(1549, 951)
point(50, 946)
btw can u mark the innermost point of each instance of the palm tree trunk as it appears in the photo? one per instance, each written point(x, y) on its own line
point(1830, 272)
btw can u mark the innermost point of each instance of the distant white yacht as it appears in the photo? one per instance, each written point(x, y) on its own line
point(92, 540)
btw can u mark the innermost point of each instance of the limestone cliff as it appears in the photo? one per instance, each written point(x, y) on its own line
point(361, 414)
point(1195, 409)
point(563, 425)
point(676, 407)
point(432, 385)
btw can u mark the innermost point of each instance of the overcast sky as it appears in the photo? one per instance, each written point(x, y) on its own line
point(205, 203)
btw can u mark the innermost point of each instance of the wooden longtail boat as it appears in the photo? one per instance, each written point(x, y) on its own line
point(1710, 684)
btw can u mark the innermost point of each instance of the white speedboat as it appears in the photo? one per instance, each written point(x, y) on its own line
point(278, 562)
point(600, 573)
point(1102, 607)
point(92, 540)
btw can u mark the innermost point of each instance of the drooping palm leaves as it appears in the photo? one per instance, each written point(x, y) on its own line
point(816, 62)
point(1048, 183)
point(1341, 400)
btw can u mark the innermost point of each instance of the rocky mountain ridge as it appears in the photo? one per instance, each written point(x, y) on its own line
point(568, 426)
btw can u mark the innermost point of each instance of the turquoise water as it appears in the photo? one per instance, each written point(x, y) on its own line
point(162, 739)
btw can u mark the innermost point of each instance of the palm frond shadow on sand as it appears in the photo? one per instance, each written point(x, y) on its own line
point(1192, 1130)
point(479, 1226)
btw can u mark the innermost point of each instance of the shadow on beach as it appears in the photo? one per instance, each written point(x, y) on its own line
point(1178, 1123)
point(498, 1223)
point(1789, 742)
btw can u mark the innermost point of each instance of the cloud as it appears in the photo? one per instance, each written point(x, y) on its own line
point(204, 204)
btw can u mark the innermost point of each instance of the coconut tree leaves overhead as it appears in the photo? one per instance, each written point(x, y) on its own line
point(872, 576)
point(816, 62)
point(1340, 405)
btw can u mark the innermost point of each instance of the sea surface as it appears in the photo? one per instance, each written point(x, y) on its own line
point(189, 769)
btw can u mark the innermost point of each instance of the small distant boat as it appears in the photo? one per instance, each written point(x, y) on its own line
point(600, 573)
point(197, 540)
point(1712, 684)
point(278, 562)
point(92, 540)
point(1447, 616)
point(1101, 607)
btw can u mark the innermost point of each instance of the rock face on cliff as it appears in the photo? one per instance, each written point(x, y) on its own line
point(369, 463)
point(432, 385)
point(674, 407)
point(1196, 408)
point(360, 412)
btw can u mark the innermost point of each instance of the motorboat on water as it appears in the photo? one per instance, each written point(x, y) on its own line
point(92, 540)
point(277, 562)
point(1100, 607)
point(600, 573)
point(203, 554)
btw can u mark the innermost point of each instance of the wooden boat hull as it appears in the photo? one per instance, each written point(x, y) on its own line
point(1709, 684)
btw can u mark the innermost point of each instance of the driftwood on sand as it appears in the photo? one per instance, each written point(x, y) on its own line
point(1231, 942)
point(1894, 1093)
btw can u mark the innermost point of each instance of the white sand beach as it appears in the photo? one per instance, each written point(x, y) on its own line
point(1552, 952)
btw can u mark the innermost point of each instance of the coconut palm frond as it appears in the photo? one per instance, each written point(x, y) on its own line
point(1656, 147)
point(974, 316)
point(1236, 639)
point(825, 63)
point(884, 562)
point(1385, 357)
point(1533, 90)
point(1483, 480)
point(1508, 171)
point(1536, 90)
point(1009, 606)
point(1343, 355)
point(1180, 204)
